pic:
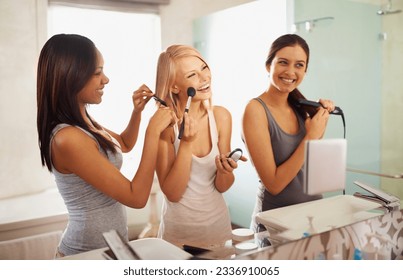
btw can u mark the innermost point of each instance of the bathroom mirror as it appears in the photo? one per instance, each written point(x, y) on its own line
point(356, 58)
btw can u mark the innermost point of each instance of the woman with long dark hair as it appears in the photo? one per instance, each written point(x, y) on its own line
point(84, 156)
point(275, 127)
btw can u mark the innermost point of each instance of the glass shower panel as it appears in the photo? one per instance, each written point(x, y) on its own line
point(345, 66)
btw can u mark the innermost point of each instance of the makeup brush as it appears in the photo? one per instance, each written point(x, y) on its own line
point(191, 92)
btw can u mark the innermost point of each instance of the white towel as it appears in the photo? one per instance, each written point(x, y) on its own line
point(35, 247)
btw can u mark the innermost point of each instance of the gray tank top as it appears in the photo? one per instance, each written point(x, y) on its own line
point(90, 211)
point(283, 145)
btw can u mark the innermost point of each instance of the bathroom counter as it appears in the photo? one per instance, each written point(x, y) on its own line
point(338, 243)
point(346, 243)
point(160, 249)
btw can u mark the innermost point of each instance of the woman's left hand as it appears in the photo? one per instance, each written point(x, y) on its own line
point(140, 97)
point(327, 104)
point(227, 165)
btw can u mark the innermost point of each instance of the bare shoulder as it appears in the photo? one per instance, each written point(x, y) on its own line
point(70, 137)
point(254, 116)
point(71, 147)
point(221, 113)
point(254, 105)
point(254, 109)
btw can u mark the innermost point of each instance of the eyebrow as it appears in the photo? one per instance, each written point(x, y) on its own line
point(192, 71)
point(298, 61)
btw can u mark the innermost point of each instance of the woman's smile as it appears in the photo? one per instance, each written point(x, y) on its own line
point(288, 81)
point(204, 88)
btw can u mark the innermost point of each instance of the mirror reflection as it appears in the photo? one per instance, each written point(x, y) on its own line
point(355, 57)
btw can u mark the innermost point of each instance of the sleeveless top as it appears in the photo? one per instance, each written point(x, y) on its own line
point(91, 212)
point(201, 218)
point(283, 145)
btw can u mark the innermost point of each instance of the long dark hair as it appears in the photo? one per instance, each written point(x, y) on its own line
point(66, 63)
point(289, 40)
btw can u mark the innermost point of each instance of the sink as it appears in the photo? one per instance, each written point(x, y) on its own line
point(299, 220)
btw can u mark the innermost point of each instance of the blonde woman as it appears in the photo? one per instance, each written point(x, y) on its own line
point(193, 171)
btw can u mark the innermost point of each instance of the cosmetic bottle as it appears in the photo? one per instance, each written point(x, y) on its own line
point(357, 254)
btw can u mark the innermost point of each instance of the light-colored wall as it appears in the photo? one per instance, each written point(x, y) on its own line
point(22, 31)
point(177, 18)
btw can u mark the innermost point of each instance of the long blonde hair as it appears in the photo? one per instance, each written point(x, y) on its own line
point(166, 73)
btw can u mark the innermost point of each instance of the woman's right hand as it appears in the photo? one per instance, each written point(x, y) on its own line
point(316, 126)
point(190, 128)
point(140, 97)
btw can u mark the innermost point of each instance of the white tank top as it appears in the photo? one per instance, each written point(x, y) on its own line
point(201, 217)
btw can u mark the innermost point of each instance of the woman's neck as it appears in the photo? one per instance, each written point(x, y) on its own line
point(86, 118)
point(197, 110)
point(275, 97)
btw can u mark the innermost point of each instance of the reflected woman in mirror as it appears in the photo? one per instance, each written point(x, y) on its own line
point(84, 156)
point(275, 128)
point(193, 171)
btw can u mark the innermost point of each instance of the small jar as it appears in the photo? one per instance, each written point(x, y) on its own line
point(244, 247)
point(242, 235)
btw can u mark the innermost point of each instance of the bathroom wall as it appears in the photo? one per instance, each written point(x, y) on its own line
point(177, 18)
point(22, 32)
